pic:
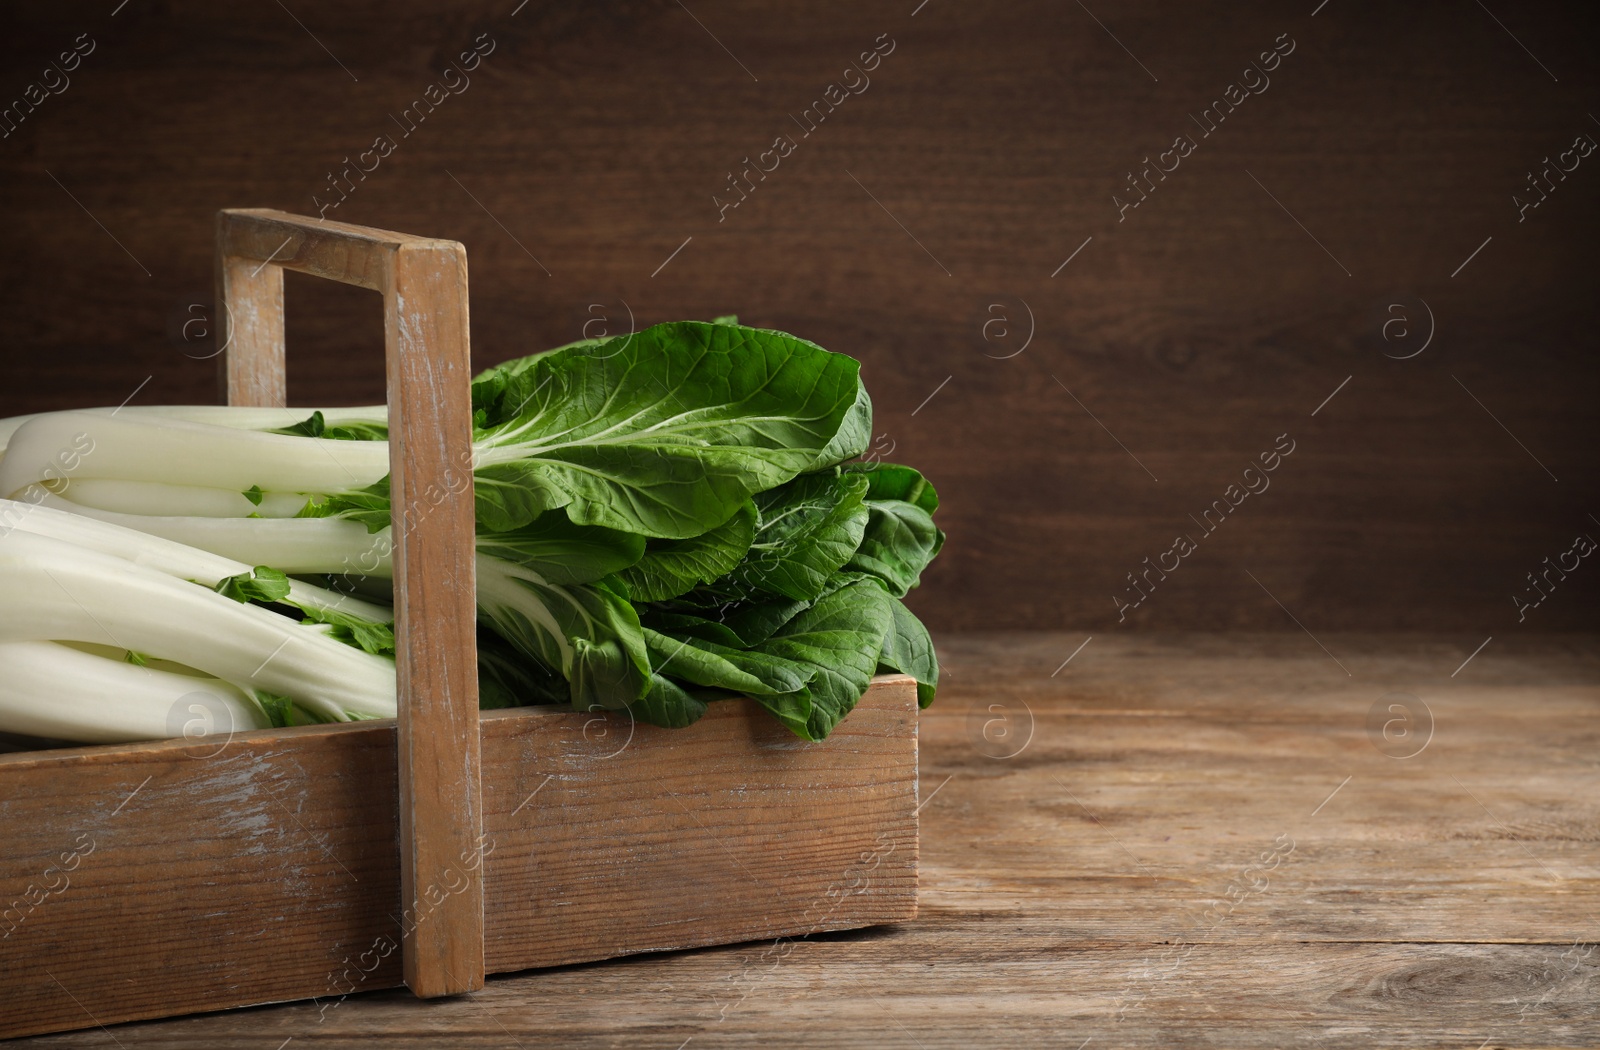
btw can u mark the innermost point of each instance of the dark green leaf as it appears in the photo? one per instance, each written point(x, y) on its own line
point(908, 649)
point(892, 481)
point(589, 632)
point(253, 494)
point(841, 636)
point(855, 433)
point(508, 678)
point(737, 624)
point(316, 426)
point(666, 703)
point(806, 530)
point(899, 542)
point(670, 568)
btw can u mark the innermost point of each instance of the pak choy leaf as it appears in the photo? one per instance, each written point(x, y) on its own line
point(907, 648)
point(806, 530)
point(367, 635)
point(589, 633)
point(670, 568)
point(315, 425)
point(855, 433)
point(261, 584)
point(900, 538)
point(841, 636)
point(665, 432)
point(736, 624)
point(563, 553)
point(369, 506)
point(510, 678)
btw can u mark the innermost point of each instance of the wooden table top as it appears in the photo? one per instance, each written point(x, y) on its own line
point(1167, 840)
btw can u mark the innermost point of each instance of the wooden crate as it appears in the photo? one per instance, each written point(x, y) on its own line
point(152, 879)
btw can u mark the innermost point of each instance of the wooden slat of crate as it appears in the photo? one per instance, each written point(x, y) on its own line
point(731, 830)
point(269, 871)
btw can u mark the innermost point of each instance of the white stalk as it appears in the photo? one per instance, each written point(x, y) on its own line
point(55, 591)
point(64, 693)
point(90, 445)
point(294, 545)
point(237, 416)
point(189, 501)
point(174, 559)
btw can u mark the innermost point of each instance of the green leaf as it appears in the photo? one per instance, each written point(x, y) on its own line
point(589, 632)
point(137, 659)
point(892, 481)
point(664, 432)
point(563, 553)
point(666, 703)
point(253, 494)
point(312, 426)
point(775, 683)
point(357, 431)
point(370, 506)
point(746, 672)
point(900, 538)
point(841, 637)
point(899, 542)
point(508, 678)
point(907, 648)
point(316, 426)
point(855, 433)
point(261, 584)
point(368, 635)
point(670, 568)
point(806, 530)
point(737, 624)
point(280, 710)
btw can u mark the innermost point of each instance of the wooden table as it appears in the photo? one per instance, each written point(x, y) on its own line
point(1196, 840)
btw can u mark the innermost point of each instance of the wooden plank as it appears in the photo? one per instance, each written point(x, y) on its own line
point(436, 615)
point(250, 352)
point(427, 349)
point(247, 876)
point(801, 838)
point(284, 880)
point(1407, 914)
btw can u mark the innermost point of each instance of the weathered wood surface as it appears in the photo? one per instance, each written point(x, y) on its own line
point(737, 831)
point(269, 870)
point(427, 350)
point(1445, 900)
point(594, 136)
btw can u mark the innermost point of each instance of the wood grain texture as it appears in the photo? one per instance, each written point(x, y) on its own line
point(270, 869)
point(602, 830)
point(428, 355)
point(1105, 883)
point(436, 613)
point(591, 140)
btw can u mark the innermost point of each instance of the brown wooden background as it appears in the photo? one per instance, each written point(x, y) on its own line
point(1196, 331)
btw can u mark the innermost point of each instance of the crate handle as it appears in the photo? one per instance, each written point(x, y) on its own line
point(428, 365)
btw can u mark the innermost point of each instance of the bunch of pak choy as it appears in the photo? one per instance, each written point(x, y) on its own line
point(664, 519)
